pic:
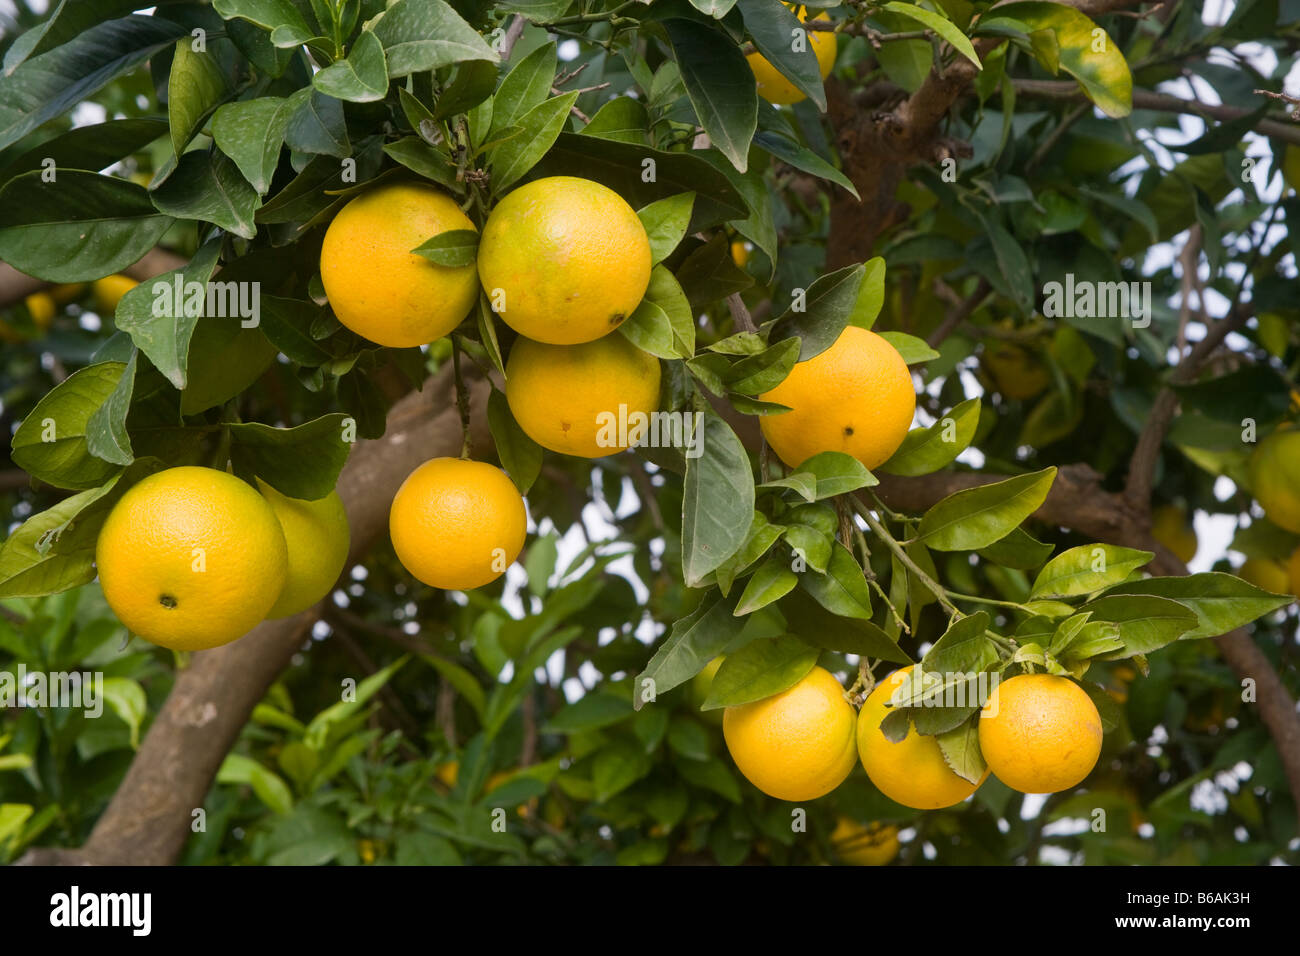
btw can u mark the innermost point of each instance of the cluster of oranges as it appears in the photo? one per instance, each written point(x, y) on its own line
point(1038, 734)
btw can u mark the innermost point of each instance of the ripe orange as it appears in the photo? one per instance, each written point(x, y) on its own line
point(795, 745)
point(376, 285)
point(457, 524)
point(1040, 733)
point(1268, 574)
point(875, 844)
point(772, 84)
point(1171, 527)
point(913, 771)
point(191, 558)
point(108, 292)
point(317, 536)
point(572, 398)
point(856, 397)
point(564, 260)
point(1274, 471)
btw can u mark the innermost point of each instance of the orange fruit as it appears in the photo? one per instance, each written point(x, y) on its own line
point(1275, 576)
point(1274, 471)
point(108, 292)
point(913, 771)
point(564, 260)
point(1171, 527)
point(872, 845)
point(376, 285)
point(191, 558)
point(1040, 733)
point(573, 398)
point(772, 84)
point(856, 397)
point(795, 745)
point(457, 524)
point(317, 536)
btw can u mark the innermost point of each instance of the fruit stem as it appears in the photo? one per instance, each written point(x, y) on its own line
point(939, 592)
point(462, 397)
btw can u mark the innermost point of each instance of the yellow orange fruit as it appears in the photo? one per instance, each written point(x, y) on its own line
point(1172, 528)
point(1266, 573)
point(874, 844)
point(856, 397)
point(191, 558)
point(1017, 372)
point(108, 292)
point(317, 536)
point(564, 260)
point(795, 745)
point(1274, 471)
point(740, 252)
point(912, 771)
point(1293, 573)
point(1040, 733)
point(457, 524)
point(41, 307)
point(66, 292)
point(772, 83)
point(376, 285)
point(581, 399)
point(448, 773)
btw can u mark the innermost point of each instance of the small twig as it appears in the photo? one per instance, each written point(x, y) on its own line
point(462, 398)
point(740, 313)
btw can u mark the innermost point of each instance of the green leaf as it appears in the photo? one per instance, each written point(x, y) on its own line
point(589, 712)
point(650, 329)
point(963, 649)
point(837, 474)
point(79, 227)
point(88, 147)
point(126, 698)
point(318, 730)
point(251, 133)
point(976, 517)
point(665, 292)
point(148, 313)
point(847, 635)
point(714, 8)
point(788, 151)
point(52, 83)
point(28, 566)
point(617, 767)
point(1145, 623)
point(823, 312)
point(759, 670)
point(759, 373)
point(209, 188)
point(1086, 569)
point(538, 11)
point(772, 581)
point(195, 86)
point(302, 462)
point(462, 680)
point(106, 436)
point(843, 589)
point(269, 786)
point(694, 641)
point(772, 25)
point(526, 86)
point(913, 350)
point(926, 450)
point(541, 126)
point(1221, 602)
point(1019, 549)
point(69, 19)
point(1095, 61)
point(225, 359)
point(521, 457)
point(871, 294)
point(720, 86)
point(961, 750)
point(940, 24)
point(472, 86)
point(456, 247)
point(360, 78)
point(422, 35)
point(665, 222)
point(717, 502)
point(317, 126)
point(268, 14)
point(622, 119)
point(419, 157)
point(52, 442)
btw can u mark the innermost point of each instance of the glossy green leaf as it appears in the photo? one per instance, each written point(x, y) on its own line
point(1086, 569)
point(759, 670)
point(926, 450)
point(976, 517)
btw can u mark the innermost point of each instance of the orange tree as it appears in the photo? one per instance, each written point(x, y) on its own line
point(988, 300)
